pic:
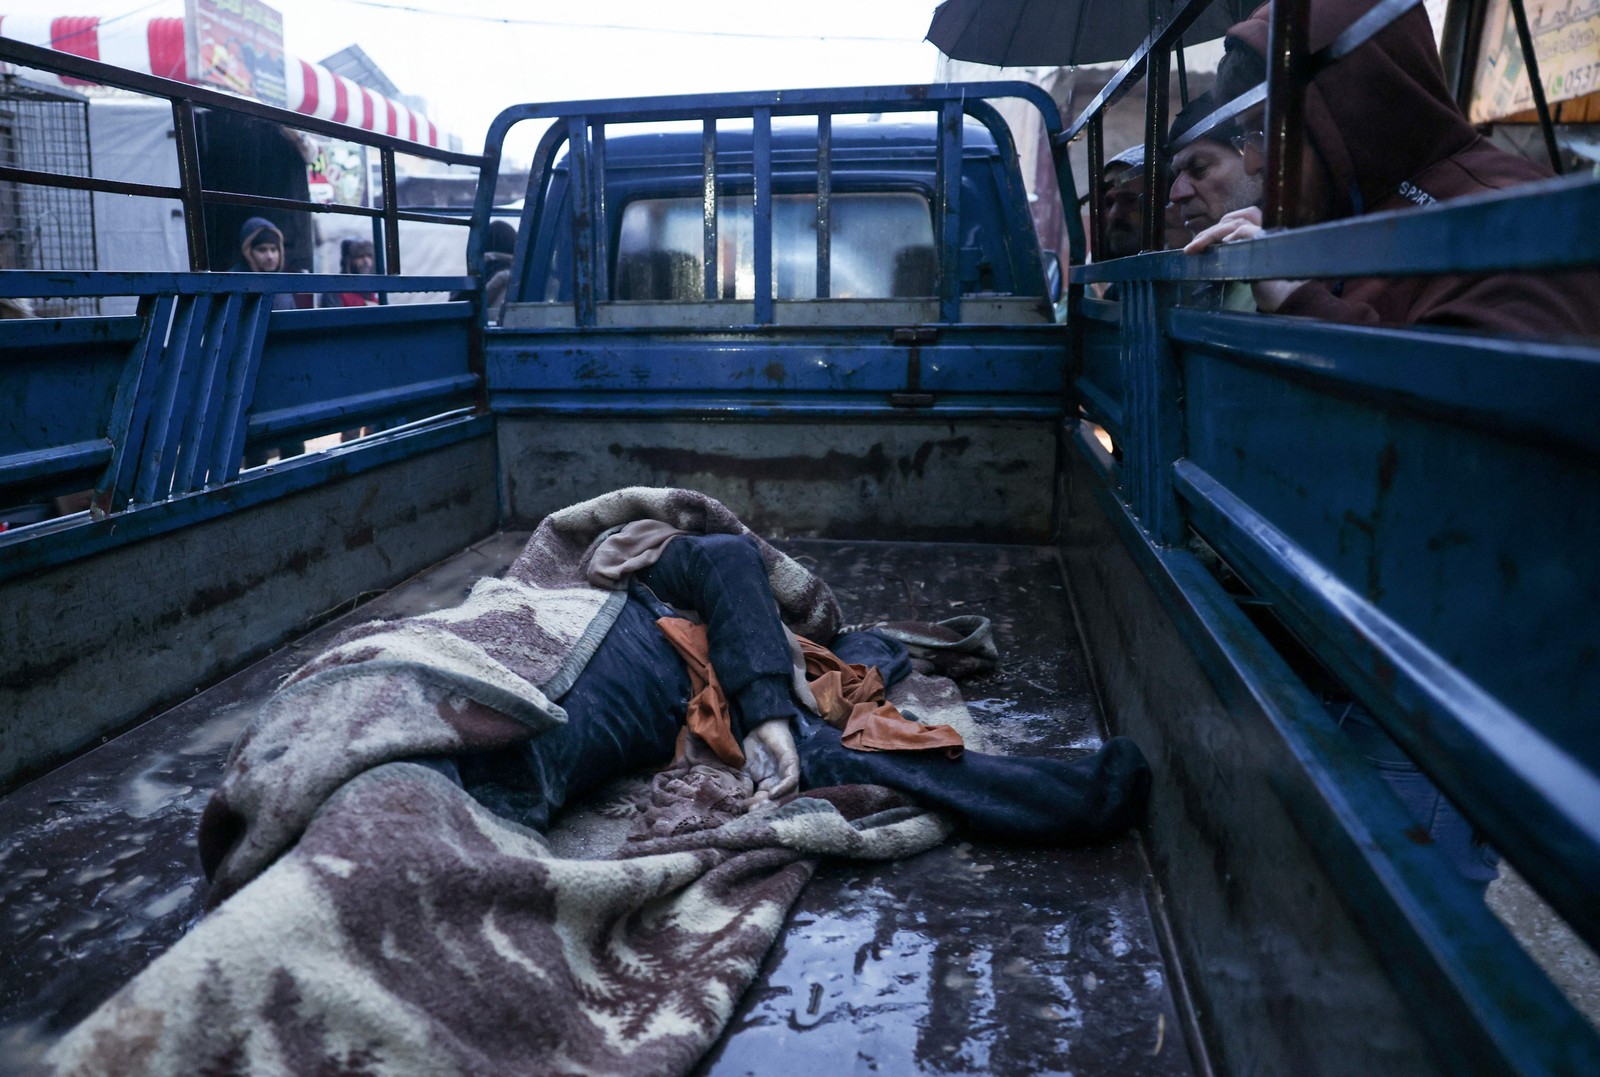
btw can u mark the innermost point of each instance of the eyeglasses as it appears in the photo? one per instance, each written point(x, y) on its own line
point(1256, 140)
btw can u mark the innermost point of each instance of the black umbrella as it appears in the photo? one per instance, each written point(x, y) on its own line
point(1063, 33)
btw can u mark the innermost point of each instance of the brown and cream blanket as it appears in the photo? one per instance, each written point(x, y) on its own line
point(369, 917)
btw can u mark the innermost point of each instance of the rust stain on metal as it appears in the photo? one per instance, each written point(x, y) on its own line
point(832, 466)
point(1388, 465)
point(918, 461)
point(775, 371)
point(1419, 834)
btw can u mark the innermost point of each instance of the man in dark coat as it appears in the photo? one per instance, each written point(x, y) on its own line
point(1383, 132)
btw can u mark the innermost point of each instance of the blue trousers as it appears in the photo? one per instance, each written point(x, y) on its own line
point(625, 709)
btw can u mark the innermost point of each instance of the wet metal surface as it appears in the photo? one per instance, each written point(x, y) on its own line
point(968, 959)
point(98, 869)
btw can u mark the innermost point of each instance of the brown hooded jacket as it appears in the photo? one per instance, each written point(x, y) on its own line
point(1384, 123)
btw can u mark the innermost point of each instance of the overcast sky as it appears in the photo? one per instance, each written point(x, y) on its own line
point(471, 58)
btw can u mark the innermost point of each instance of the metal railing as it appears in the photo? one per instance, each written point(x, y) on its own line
point(580, 127)
point(1254, 433)
point(191, 190)
point(166, 416)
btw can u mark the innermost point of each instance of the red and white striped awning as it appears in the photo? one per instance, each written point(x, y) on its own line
point(156, 47)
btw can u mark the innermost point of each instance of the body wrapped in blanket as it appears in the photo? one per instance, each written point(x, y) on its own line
point(382, 900)
point(629, 706)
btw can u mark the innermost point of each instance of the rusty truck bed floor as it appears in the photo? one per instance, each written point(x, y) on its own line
point(967, 959)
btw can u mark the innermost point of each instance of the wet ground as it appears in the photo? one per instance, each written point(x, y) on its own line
point(967, 959)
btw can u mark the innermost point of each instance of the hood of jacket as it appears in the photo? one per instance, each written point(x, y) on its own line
point(1382, 117)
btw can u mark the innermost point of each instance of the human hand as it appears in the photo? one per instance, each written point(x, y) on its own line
point(1238, 225)
point(1234, 227)
point(771, 760)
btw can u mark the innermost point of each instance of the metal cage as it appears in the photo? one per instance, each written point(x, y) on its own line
point(42, 227)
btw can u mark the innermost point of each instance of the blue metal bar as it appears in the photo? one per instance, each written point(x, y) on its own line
point(1478, 998)
point(1153, 203)
point(536, 203)
point(698, 107)
point(947, 212)
point(761, 212)
point(243, 364)
point(131, 407)
point(1479, 234)
point(391, 211)
point(194, 215)
point(644, 363)
point(602, 230)
point(803, 406)
point(49, 463)
point(1539, 806)
point(201, 417)
point(1516, 388)
point(57, 542)
point(1159, 43)
point(1101, 409)
point(709, 151)
point(61, 334)
point(583, 222)
point(1153, 419)
point(359, 406)
point(1020, 218)
point(824, 205)
point(1097, 169)
point(178, 364)
point(32, 283)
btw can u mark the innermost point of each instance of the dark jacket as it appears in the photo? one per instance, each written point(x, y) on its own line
point(1386, 126)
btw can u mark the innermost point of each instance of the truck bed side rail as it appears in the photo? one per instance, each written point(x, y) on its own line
point(172, 415)
point(1418, 507)
point(169, 417)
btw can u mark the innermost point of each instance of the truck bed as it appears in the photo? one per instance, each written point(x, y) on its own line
point(967, 959)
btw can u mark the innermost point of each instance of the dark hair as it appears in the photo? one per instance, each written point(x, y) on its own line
point(502, 237)
point(1198, 109)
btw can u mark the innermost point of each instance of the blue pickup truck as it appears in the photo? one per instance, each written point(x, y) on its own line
point(830, 310)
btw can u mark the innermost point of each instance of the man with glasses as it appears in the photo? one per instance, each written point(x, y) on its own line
point(1383, 132)
point(1221, 171)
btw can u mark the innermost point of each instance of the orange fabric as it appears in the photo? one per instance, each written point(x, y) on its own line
point(709, 717)
point(850, 697)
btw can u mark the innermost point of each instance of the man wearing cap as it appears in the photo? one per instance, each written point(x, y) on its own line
point(1121, 197)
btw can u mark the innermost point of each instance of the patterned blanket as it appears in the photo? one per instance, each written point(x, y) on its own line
point(410, 931)
point(369, 917)
point(478, 677)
